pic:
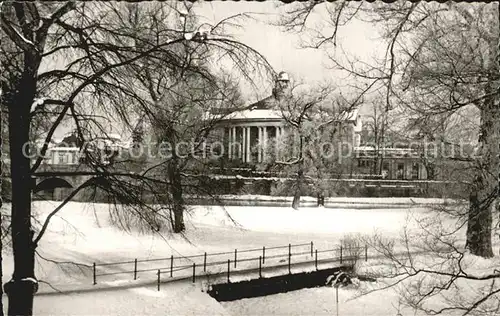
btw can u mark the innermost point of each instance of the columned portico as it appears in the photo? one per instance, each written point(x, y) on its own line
point(250, 142)
point(264, 145)
point(247, 144)
point(230, 141)
point(250, 128)
point(260, 144)
point(256, 133)
point(278, 141)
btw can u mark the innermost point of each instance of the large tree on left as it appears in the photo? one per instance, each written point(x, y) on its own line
point(62, 62)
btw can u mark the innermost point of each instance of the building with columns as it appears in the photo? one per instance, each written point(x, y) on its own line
point(249, 135)
point(254, 134)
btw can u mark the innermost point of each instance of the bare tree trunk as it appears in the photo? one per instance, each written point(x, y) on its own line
point(300, 175)
point(178, 225)
point(479, 221)
point(298, 187)
point(23, 285)
point(1, 202)
point(381, 144)
point(430, 169)
point(483, 192)
point(430, 166)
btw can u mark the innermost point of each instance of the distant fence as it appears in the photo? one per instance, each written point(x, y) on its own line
point(256, 259)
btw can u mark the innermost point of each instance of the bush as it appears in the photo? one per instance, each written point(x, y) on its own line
point(261, 187)
point(280, 188)
point(353, 248)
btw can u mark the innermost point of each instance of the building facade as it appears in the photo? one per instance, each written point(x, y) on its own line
point(255, 135)
point(258, 133)
point(390, 163)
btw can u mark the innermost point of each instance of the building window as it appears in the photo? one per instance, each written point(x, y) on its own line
point(385, 170)
point(75, 158)
point(364, 163)
point(63, 158)
point(357, 140)
point(400, 173)
point(414, 171)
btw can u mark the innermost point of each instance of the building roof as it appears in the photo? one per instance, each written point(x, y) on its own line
point(266, 103)
point(370, 151)
point(255, 114)
point(63, 149)
point(268, 109)
point(264, 111)
point(349, 114)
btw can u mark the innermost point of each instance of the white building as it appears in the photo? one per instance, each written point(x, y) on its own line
point(248, 131)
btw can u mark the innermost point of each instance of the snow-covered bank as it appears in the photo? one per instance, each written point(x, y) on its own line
point(309, 220)
point(181, 299)
point(319, 301)
point(83, 233)
point(345, 200)
point(330, 202)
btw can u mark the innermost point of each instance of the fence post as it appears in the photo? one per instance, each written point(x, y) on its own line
point(337, 299)
point(366, 252)
point(158, 279)
point(312, 248)
point(228, 269)
point(340, 254)
point(289, 250)
point(289, 261)
point(263, 254)
point(205, 262)
point(235, 257)
point(135, 269)
point(260, 267)
point(194, 272)
point(94, 273)
point(171, 265)
point(316, 259)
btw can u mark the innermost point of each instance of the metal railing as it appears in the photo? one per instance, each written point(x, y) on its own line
point(185, 267)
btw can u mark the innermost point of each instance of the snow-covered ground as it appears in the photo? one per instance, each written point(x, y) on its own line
point(373, 299)
point(334, 202)
point(344, 200)
point(320, 301)
point(183, 299)
point(82, 233)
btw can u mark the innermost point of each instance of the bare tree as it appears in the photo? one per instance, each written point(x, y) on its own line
point(439, 59)
point(315, 135)
point(379, 133)
point(175, 104)
point(176, 122)
point(65, 61)
point(440, 62)
point(1, 202)
point(429, 268)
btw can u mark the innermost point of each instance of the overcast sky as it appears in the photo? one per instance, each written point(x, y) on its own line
point(282, 49)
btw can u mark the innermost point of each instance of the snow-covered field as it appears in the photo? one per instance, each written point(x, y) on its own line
point(320, 301)
point(344, 200)
point(82, 233)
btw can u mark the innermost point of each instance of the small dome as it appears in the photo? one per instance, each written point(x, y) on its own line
point(283, 76)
